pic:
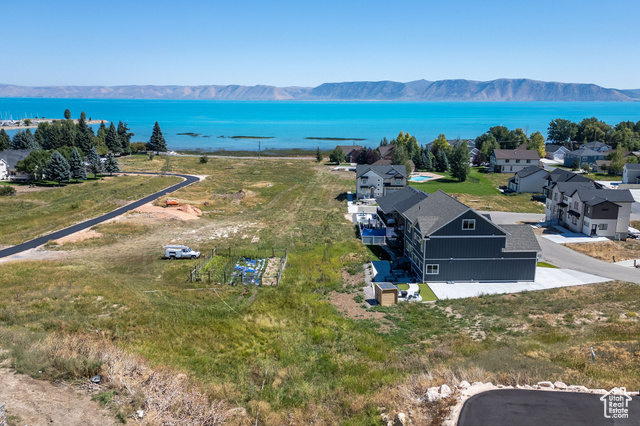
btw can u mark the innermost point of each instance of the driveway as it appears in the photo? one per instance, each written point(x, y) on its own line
point(508, 407)
point(566, 258)
point(188, 180)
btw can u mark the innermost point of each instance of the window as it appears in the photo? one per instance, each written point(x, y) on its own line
point(602, 226)
point(588, 210)
point(468, 224)
point(555, 196)
point(506, 161)
point(574, 220)
point(433, 269)
point(575, 205)
point(517, 161)
point(364, 180)
point(398, 181)
point(528, 161)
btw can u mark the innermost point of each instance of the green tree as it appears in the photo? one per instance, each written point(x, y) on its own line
point(24, 140)
point(83, 116)
point(204, 159)
point(95, 164)
point(517, 137)
point(76, 166)
point(442, 162)
point(537, 143)
point(592, 129)
point(501, 133)
point(34, 164)
point(84, 136)
point(112, 141)
point(337, 155)
point(67, 114)
point(138, 147)
point(5, 140)
point(399, 155)
point(562, 131)
point(111, 164)
point(617, 163)
point(460, 161)
point(488, 146)
point(318, 155)
point(157, 142)
point(124, 136)
point(384, 142)
point(440, 144)
point(57, 168)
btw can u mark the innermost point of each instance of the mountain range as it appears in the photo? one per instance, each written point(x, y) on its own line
point(501, 90)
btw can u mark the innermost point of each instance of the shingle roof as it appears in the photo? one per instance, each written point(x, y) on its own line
point(632, 166)
point(593, 145)
point(383, 171)
point(553, 148)
point(386, 150)
point(560, 175)
point(596, 196)
point(568, 188)
point(402, 200)
point(435, 211)
point(528, 171)
point(585, 152)
point(520, 238)
point(348, 149)
point(12, 156)
point(516, 154)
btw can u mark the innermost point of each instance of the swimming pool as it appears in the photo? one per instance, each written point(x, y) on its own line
point(420, 178)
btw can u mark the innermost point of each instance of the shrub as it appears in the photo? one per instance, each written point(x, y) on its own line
point(6, 191)
point(204, 159)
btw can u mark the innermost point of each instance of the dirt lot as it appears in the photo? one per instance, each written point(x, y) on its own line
point(606, 250)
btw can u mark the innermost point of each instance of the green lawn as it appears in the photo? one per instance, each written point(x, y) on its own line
point(546, 265)
point(425, 291)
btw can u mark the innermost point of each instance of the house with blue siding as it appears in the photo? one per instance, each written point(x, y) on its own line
point(446, 240)
point(583, 156)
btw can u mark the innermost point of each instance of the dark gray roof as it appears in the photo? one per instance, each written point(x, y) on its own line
point(528, 171)
point(568, 188)
point(12, 156)
point(520, 238)
point(585, 152)
point(348, 149)
point(435, 211)
point(400, 201)
point(553, 148)
point(593, 197)
point(516, 154)
point(383, 171)
point(560, 175)
point(594, 145)
point(632, 166)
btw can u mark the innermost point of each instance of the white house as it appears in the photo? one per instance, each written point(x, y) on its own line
point(631, 173)
point(377, 181)
point(4, 172)
point(529, 179)
point(555, 152)
point(11, 158)
point(513, 160)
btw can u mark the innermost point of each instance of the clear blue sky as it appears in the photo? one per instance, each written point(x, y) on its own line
point(306, 43)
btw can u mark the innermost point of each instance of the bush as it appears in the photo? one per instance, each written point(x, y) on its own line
point(204, 159)
point(6, 191)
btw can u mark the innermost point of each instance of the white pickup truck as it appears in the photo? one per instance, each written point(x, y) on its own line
point(180, 252)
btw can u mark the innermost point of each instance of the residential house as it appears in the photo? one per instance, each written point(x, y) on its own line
point(601, 166)
point(449, 241)
point(4, 173)
point(11, 158)
point(513, 160)
point(631, 173)
point(386, 151)
point(529, 179)
point(555, 152)
point(588, 208)
point(351, 152)
point(583, 156)
point(472, 154)
point(596, 146)
point(378, 181)
point(389, 212)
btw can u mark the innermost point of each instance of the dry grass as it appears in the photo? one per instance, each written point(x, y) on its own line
point(606, 250)
point(167, 396)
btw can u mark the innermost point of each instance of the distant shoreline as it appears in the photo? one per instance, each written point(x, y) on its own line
point(38, 121)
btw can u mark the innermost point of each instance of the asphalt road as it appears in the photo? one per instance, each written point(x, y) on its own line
point(91, 222)
point(509, 407)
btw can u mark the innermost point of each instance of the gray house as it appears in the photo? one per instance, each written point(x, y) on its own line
point(631, 173)
point(378, 181)
point(531, 179)
point(11, 158)
point(596, 146)
point(555, 152)
point(446, 240)
point(583, 155)
point(513, 160)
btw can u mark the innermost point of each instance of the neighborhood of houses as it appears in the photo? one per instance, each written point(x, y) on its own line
point(435, 238)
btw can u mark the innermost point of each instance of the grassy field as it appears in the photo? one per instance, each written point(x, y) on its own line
point(480, 191)
point(31, 214)
point(287, 354)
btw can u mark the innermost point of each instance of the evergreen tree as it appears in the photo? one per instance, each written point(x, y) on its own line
point(5, 140)
point(400, 155)
point(111, 164)
point(460, 162)
point(67, 114)
point(24, 140)
point(112, 140)
point(431, 165)
point(318, 155)
point(124, 136)
point(371, 156)
point(57, 168)
point(440, 144)
point(442, 162)
point(384, 142)
point(95, 165)
point(34, 164)
point(362, 156)
point(337, 155)
point(84, 137)
point(76, 166)
point(426, 162)
point(83, 116)
point(68, 133)
point(157, 142)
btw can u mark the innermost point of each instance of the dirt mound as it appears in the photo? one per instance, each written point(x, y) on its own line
point(170, 213)
point(79, 236)
point(242, 194)
point(189, 209)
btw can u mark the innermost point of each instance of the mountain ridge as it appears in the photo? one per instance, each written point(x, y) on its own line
point(499, 90)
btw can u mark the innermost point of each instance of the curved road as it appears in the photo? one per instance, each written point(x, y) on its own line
point(188, 180)
point(509, 407)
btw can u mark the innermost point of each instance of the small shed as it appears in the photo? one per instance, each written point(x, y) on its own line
point(386, 294)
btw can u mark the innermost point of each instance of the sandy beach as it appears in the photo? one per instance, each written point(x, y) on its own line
point(38, 121)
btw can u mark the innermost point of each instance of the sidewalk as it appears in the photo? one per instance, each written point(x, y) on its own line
point(567, 237)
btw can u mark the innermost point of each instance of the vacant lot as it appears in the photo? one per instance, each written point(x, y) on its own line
point(288, 355)
point(608, 250)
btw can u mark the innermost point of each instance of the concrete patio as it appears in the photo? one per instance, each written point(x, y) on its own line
point(565, 236)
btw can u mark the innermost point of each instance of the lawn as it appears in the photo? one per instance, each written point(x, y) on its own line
point(28, 215)
point(286, 354)
point(480, 191)
point(425, 291)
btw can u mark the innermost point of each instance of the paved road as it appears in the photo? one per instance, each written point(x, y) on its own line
point(564, 257)
point(91, 222)
point(509, 407)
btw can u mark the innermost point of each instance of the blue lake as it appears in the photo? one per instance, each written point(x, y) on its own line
point(289, 123)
